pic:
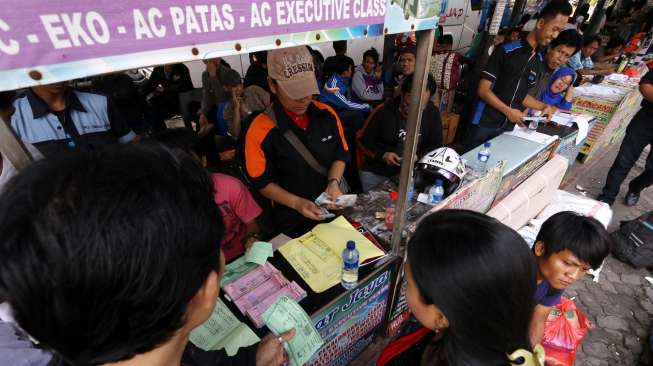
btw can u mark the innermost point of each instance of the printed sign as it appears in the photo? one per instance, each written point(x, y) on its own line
point(43, 41)
point(344, 324)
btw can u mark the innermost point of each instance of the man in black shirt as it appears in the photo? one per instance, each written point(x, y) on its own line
point(510, 72)
point(162, 93)
point(382, 140)
point(638, 135)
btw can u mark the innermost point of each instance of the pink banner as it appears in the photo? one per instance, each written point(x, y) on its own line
point(40, 32)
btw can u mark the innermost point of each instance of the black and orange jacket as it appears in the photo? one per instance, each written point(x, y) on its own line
point(270, 158)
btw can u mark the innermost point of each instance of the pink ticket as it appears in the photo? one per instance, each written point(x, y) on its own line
point(255, 313)
point(249, 281)
point(276, 282)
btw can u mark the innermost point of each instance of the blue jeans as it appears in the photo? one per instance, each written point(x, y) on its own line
point(370, 181)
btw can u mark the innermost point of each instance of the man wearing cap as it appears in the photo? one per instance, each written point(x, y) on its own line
point(292, 123)
point(243, 102)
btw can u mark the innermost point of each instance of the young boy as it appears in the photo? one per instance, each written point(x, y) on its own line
point(567, 246)
point(113, 257)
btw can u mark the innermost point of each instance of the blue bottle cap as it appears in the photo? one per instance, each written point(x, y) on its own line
point(487, 144)
point(351, 245)
point(438, 182)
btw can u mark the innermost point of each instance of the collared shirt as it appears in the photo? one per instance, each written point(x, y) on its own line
point(513, 69)
point(88, 122)
point(542, 82)
point(577, 62)
point(270, 158)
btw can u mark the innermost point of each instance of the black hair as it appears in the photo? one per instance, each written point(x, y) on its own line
point(339, 64)
point(584, 236)
point(482, 276)
point(503, 32)
point(372, 53)
point(180, 138)
point(555, 8)
point(568, 37)
point(614, 42)
point(589, 39)
point(7, 99)
point(261, 56)
point(103, 251)
point(340, 46)
point(407, 84)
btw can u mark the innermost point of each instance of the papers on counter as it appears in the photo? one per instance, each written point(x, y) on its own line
point(568, 119)
point(601, 91)
point(223, 330)
point(617, 77)
point(317, 255)
point(259, 253)
point(532, 135)
point(286, 314)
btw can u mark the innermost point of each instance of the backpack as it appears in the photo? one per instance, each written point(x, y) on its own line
point(633, 242)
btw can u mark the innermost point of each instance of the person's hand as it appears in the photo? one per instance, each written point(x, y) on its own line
point(570, 93)
point(606, 72)
point(270, 350)
point(331, 90)
point(308, 209)
point(205, 127)
point(549, 111)
point(333, 191)
point(515, 116)
point(249, 242)
point(391, 159)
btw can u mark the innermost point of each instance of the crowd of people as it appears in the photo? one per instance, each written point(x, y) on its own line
point(113, 254)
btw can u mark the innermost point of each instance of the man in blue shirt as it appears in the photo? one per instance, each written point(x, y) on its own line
point(582, 61)
point(56, 119)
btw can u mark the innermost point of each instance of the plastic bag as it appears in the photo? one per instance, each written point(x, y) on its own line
point(564, 330)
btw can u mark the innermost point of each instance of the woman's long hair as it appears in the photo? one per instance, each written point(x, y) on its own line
point(482, 276)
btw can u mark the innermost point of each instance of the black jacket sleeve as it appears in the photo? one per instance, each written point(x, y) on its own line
point(372, 138)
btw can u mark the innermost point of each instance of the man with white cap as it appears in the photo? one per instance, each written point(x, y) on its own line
point(296, 148)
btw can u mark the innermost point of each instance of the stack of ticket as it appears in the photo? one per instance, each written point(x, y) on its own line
point(254, 292)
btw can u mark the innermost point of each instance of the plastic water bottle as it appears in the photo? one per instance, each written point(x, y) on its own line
point(350, 257)
point(411, 189)
point(436, 193)
point(482, 159)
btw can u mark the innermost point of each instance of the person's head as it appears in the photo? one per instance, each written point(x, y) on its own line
point(444, 43)
point(291, 77)
point(342, 65)
point(110, 254)
point(552, 21)
point(615, 45)
point(340, 47)
point(407, 61)
point(561, 80)
point(7, 105)
point(500, 37)
point(590, 45)
point(370, 60)
point(260, 57)
point(514, 35)
point(232, 82)
point(212, 61)
point(479, 283)
point(567, 246)
point(49, 90)
point(562, 48)
point(405, 92)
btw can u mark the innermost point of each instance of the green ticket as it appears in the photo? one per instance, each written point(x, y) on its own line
point(286, 314)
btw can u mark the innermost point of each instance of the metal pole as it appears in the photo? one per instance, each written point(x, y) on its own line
point(12, 147)
point(424, 48)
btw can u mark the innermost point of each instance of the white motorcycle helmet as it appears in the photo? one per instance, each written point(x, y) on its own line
point(442, 163)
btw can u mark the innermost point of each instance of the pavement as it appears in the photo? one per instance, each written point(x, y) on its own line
point(620, 304)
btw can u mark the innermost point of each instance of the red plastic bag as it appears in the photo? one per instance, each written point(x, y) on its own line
point(564, 330)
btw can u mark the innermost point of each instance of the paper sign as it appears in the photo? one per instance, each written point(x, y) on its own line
point(317, 255)
point(286, 314)
point(223, 330)
point(259, 253)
